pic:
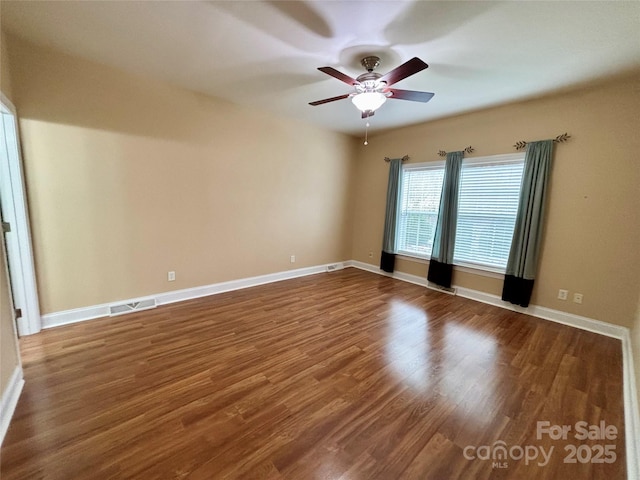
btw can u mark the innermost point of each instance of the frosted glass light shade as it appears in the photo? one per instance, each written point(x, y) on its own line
point(368, 101)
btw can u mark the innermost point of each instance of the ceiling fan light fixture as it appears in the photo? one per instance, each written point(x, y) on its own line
point(368, 101)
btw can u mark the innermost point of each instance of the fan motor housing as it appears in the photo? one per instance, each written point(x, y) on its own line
point(368, 77)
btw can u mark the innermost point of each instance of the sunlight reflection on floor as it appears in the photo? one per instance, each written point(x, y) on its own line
point(407, 349)
point(469, 362)
point(442, 358)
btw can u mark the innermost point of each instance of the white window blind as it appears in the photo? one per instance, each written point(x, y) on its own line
point(419, 202)
point(487, 207)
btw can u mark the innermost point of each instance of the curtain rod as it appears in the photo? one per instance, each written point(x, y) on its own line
point(559, 139)
point(404, 159)
point(469, 149)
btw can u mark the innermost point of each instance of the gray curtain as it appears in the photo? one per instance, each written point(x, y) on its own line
point(388, 258)
point(527, 234)
point(441, 263)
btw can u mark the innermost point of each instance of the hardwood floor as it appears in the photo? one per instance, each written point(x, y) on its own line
point(344, 375)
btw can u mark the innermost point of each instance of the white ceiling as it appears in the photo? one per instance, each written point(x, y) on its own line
point(265, 53)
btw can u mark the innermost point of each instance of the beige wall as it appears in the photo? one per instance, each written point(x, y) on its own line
point(8, 350)
point(5, 78)
point(129, 178)
point(593, 224)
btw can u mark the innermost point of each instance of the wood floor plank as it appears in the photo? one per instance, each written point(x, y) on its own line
point(339, 375)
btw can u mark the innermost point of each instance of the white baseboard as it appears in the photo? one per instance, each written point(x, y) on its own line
point(82, 314)
point(630, 397)
point(9, 400)
point(584, 323)
point(631, 410)
point(75, 315)
point(577, 321)
point(190, 293)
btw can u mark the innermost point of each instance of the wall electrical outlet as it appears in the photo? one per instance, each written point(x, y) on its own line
point(370, 254)
point(293, 259)
point(171, 276)
point(577, 298)
point(562, 294)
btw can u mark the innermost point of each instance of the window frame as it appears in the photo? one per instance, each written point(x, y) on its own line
point(490, 159)
point(435, 165)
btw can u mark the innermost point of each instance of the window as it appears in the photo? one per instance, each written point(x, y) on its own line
point(487, 207)
point(419, 201)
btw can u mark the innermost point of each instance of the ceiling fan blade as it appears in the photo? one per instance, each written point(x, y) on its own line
point(368, 113)
point(339, 75)
point(411, 95)
point(327, 100)
point(405, 70)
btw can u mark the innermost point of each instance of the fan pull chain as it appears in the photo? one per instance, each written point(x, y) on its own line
point(366, 134)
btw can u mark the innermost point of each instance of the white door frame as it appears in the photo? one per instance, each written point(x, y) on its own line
point(14, 210)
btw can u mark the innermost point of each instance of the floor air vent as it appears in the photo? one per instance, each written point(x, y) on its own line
point(434, 286)
point(123, 308)
point(334, 266)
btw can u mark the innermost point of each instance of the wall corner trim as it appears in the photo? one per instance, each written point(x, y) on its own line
point(9, 401)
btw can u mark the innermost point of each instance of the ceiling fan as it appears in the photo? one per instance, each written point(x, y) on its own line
point(372, 88)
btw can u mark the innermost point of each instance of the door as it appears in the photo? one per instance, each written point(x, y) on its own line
point(13, 208)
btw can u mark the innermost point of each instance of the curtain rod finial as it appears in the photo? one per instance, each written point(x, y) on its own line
point(559, 139)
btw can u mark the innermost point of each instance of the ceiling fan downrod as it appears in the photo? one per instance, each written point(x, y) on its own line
point(370, 63)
